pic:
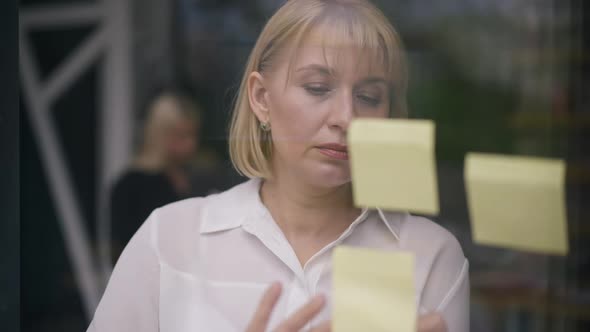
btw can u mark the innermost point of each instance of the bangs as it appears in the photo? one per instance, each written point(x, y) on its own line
point(340, 28)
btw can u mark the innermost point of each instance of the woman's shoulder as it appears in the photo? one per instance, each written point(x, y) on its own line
point(443, 269)
point(424, 234)
point(176, 229)
point(137, 174)
point(134, 180)
point(195, 210)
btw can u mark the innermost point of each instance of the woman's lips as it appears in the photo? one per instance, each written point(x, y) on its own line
point(335, 151)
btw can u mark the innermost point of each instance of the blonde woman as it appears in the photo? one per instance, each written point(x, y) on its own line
point(158, 174)
point(258, 256)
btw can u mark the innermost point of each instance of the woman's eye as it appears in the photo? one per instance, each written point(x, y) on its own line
point(369, 100)
point(316, 90)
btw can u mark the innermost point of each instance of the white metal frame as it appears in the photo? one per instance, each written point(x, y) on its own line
point(110, 40)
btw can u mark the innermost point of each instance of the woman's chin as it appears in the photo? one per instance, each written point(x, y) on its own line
point(330, 177)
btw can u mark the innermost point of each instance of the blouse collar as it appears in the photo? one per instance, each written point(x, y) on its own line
point(241, 205)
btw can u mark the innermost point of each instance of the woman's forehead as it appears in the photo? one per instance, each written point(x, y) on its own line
point(335, 60)
point(335, 50)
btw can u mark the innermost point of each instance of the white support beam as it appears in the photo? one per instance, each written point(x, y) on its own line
point(116, 116)
point(60, 15)
point(71, 68)
point(69, 216)
point(113, 39)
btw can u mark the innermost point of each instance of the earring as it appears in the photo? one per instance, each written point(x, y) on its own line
point(265, 126)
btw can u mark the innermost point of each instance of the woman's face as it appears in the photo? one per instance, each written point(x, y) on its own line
point(310, 109)
point(181, 141)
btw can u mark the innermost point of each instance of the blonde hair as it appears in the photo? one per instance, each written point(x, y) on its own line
point(344, 21)
point(166, 110)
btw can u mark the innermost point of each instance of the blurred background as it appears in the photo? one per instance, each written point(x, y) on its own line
point(99, 78)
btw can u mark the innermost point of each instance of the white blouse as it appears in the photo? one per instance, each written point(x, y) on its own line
point(202, 264)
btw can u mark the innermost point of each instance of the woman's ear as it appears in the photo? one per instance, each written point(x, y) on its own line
point(258, 97)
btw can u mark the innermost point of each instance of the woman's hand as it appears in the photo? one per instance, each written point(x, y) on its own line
point(295, 322)
point(432, 322)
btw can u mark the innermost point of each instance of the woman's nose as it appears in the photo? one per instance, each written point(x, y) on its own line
point(342, 112)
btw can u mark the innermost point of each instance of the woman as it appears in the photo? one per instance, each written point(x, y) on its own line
point(257, 256)
point(158, 174)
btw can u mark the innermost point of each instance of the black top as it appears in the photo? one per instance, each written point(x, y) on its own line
point(134, 196)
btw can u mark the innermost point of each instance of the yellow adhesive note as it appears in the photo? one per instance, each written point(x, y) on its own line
point(517, 202)
point(392, 164)
point(373, 291)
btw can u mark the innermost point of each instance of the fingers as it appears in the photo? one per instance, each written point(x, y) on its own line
point(432, 322)
point(262, 315)
point(295, 322)
point(323, 327)
point(302, 316)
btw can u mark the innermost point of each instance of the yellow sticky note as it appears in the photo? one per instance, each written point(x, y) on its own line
point(393, 165)
point(517, 202)
point(373, 291)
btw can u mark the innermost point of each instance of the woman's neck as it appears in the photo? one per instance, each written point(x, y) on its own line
point(180, 180)
point(149, 161)
point(309, 217)
point(176, 173)
point(301, 209)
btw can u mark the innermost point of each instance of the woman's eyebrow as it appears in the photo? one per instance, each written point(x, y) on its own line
point(324, 70)
point(375, 80)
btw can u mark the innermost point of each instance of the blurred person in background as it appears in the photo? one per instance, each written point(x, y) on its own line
point(258, 255)
point(159, 173)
